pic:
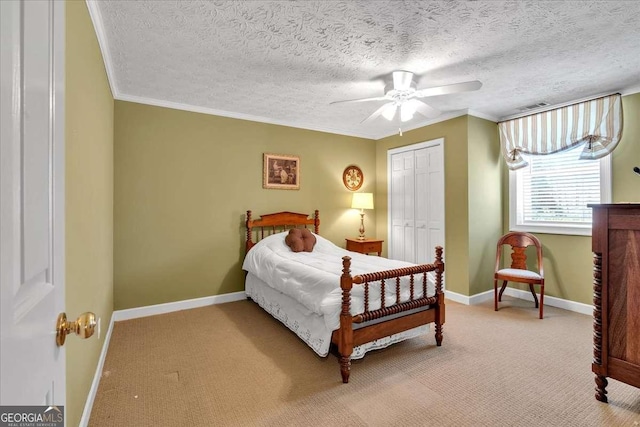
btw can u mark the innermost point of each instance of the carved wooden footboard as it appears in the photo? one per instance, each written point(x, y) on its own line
point(346, 338)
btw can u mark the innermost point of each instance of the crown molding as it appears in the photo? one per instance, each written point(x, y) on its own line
point(326, 129)
point(630, 91)
point(96, 18)
point(484, 116)
point(240, 116)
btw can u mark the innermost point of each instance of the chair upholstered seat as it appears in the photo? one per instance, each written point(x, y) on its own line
point(516, 272)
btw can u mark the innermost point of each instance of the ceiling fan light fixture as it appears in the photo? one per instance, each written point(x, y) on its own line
point(407, 110)
point(402, 80)
point(389, 111)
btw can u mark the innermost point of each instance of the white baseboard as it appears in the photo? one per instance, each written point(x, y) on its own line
point(88, 405)
point(565, 304)
point(456, 297)
point(150, 310)
point(472, 300)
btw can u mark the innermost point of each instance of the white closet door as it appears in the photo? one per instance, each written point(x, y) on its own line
point(402, 206)
point(396, 207)
point(422, 205)
point(429, 202)
point(416, 202)
point(409, 201)
point(435, 204)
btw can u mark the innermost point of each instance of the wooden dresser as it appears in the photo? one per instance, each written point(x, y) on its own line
point(616, 295)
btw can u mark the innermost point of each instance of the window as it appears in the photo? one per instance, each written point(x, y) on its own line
point(551, 194)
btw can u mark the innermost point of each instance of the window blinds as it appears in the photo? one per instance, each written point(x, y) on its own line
point(557, 189)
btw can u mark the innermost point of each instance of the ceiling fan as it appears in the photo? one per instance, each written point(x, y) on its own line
point(402, 95)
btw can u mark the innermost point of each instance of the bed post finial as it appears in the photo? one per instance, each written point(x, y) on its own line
point(345, 342)
point(440, 269)
point(248, 243)
point(316, 222)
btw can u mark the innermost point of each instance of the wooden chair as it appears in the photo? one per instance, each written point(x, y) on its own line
point(518, 272)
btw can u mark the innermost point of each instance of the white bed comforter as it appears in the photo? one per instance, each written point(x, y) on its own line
point(313, 278)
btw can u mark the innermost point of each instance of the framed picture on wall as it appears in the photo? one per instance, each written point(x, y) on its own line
point(281, 172)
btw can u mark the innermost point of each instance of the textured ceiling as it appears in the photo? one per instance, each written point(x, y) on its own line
point(285, 61)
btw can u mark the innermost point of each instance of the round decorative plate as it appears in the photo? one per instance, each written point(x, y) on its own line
point(352, 177)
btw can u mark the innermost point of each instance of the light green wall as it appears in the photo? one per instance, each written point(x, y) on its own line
point(485, 202)
point(568, 261)
point(455, 134)
point(89, 199)
point(626, 183)
point(183, 182)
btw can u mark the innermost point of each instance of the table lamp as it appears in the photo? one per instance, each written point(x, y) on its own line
point(362, 201)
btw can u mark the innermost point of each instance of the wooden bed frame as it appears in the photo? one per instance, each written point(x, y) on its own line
point(353, 330)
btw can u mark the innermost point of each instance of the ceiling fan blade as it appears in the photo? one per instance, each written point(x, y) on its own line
point(377, 98)
point(444, 90)
point(424, 109)
point(378, 112)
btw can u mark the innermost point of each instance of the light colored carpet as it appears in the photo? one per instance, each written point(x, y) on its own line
point(232, 364)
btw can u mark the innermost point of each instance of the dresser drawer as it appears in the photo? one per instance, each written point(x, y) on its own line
point(365, 246)
point(371, 247)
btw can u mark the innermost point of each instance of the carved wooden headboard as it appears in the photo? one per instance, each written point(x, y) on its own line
point(277, 222)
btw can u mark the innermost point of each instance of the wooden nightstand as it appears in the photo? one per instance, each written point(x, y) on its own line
point(365, 246)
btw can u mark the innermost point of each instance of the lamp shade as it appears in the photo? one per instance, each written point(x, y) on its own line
point(362, 201)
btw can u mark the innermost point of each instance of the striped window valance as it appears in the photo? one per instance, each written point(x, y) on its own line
point(596, 123)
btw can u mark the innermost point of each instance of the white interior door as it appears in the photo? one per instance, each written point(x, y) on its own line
point(32, 367)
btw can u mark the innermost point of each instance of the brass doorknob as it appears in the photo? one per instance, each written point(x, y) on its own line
point(84, 326)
